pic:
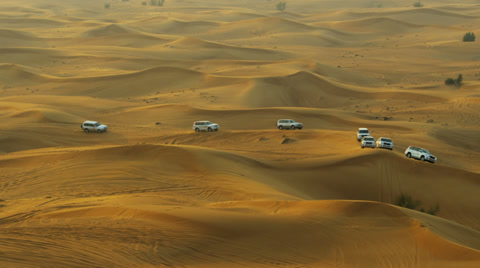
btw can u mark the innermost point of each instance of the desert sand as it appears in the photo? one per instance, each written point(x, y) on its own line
point(151, 192)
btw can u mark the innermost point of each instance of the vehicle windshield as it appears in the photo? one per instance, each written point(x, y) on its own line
point(425, 151)
point(363, 131)
point(368, 139)
point(97, 124)
point(293, 121)
point(387, 140)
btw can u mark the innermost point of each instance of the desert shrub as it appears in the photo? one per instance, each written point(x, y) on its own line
point(125, 0)
point(450, 82)
point(469, 37)
point(459, 80)
point(153, 2)
point(160, 3)
point(281, 6)
point(454, 82)
point(107, 5)
point(406, 201)
point(144, 3)
point(434, 211)
point(417, 4)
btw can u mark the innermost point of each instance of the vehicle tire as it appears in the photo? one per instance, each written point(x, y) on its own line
point(197, 129)
point(409, 155)
point(292, 127)
point(99, 131)
point(363, 146)
point(280, 127)
point(216, 129)
point(422, 158)
point(300, 128)
point(210, 129)
point(391, 149)
point(86, 130)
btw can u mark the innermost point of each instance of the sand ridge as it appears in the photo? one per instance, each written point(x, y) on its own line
point(151, 192)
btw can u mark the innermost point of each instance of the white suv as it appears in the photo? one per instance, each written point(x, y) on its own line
point(93, 126)
point(205, 126)
point(288, 124)
point(362, 132)
point(368, 141)
point(385, 143)
point(420, 153)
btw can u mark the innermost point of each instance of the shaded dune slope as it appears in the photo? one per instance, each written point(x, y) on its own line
point(164, 25)
point(314, 179)
point(108, 30)
point(305, 89)
point(230, 234)
point(386, 25)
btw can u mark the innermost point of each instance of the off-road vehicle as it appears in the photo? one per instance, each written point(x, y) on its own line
point(288, 124)
point(362, 132)
point(368, 141)
point(205, 126)
point(93, 126)
point(384, 143)
point(420, 153)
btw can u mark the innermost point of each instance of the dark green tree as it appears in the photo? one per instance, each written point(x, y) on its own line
point(417, 4)
point(450, 81)
point(459, 80)
point(469, 37)
point(281, 6)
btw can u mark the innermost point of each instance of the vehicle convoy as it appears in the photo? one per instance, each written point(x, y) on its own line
point(368, 141)
point(288, 124)
point(93, 126)
point(205, 126)
point(384, 143)
point(362, 132)
point(420, 153)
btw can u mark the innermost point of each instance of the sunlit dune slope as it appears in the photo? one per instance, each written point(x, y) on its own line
point(152, 192)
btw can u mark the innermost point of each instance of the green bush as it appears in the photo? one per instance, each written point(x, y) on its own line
point(153, 2)
point(459, 80)
point(406, 201)
point(454, 82)
point(450, 82)
point(144, 3)
point(160, 3)
point(469, 37)
point(434, 211)
point(107, 5)
point(417, 4)
point(281, 6)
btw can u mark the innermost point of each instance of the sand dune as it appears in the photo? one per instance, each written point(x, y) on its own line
point(377, 25)
point(16, 23)
point(111, 29)
point(7, 34)
point(230, 15)
point(162, 25)
point(152, 192)
point(16, 75)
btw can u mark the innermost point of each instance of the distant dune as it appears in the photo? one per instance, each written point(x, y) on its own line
point(152, 192)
